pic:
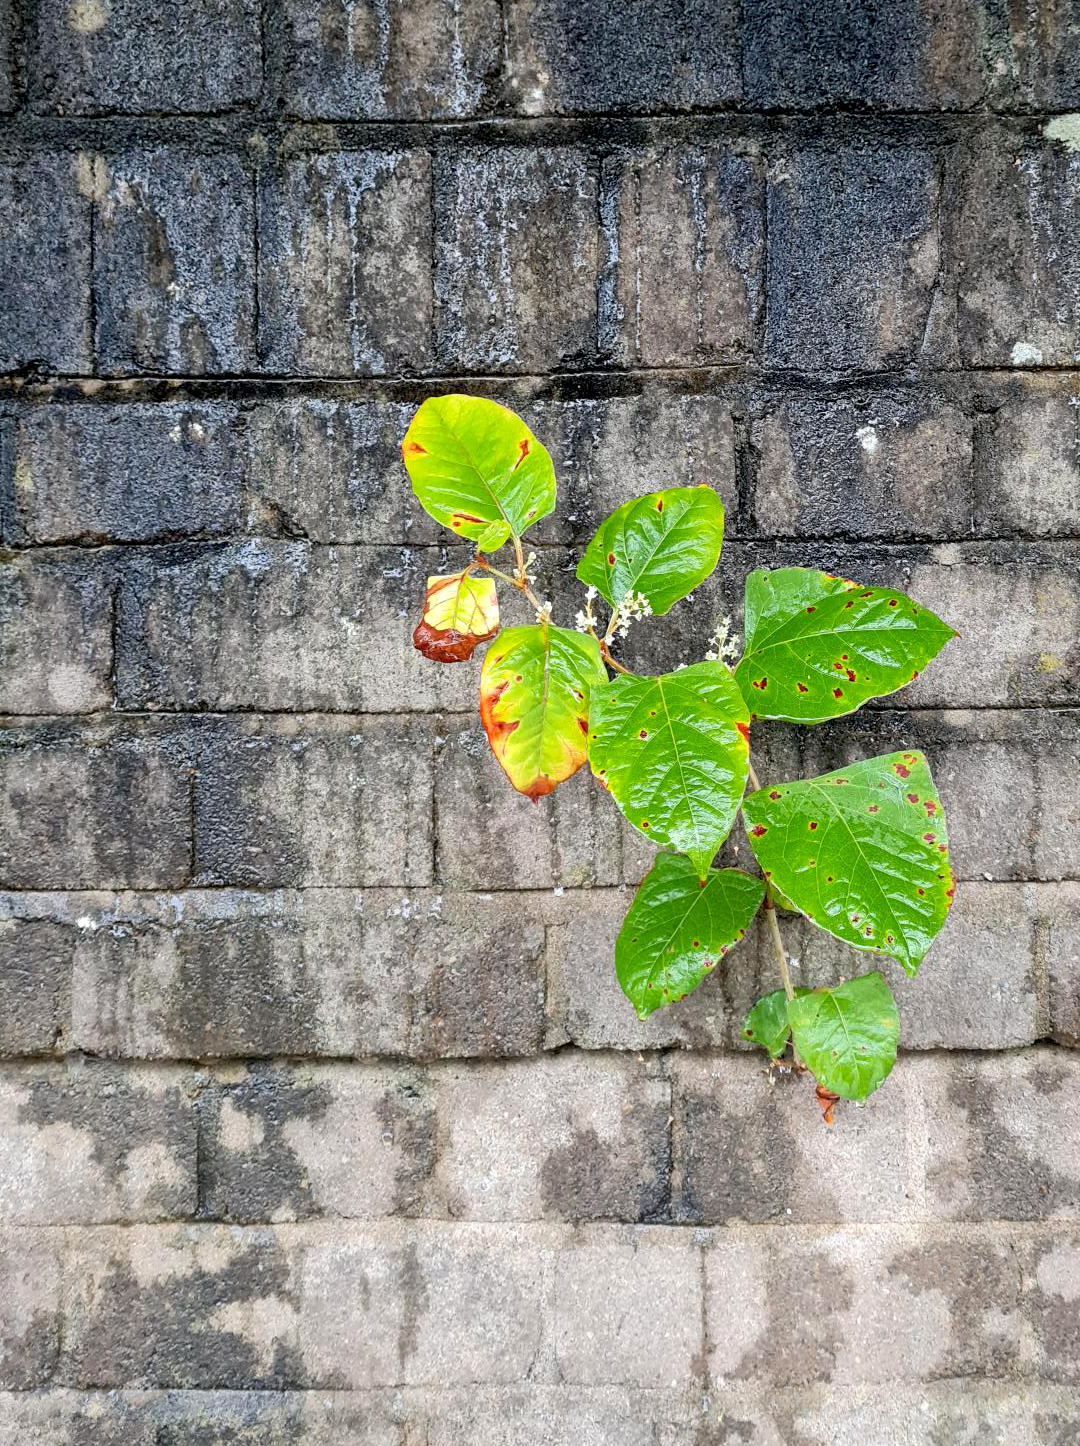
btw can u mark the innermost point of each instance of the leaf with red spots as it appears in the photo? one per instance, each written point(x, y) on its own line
point(767, 1023)
point(679, 929)
point(850, 851)
point(846, 1036)
point(477, 469)
point(661, 545)
point(819, 646)
point(460, 611)
point(534, 703)
point(681, 783)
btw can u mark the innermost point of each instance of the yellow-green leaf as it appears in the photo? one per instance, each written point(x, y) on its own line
point(847, 1035)
point(534, 703)
point(477, 468)
point(461, 610)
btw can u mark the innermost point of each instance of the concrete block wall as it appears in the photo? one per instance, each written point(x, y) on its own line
point(324, 1122)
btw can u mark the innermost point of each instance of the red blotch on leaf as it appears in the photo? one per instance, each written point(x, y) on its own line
point(913, 798)
point(758, 831)
point(414, 449)
point(929, 837)
point(828, 1102)
point(874, 808)
point(802, 687)
point(659, 504)
point(931, 807)
point(744, 730)
point(850, 676)
point(447, 645)
point(893, 603)
point(774, 794)
point(760, 683)
point(523, 452)
point(901, 771)
point(811, 610)
point(611, 559)
point(838, 692)
point(813, 824)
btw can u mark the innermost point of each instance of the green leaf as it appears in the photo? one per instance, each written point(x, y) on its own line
point(493, 537)
point(767, 1023)
point(819, 646)
point(862, 852)
point(673, 753)
point(679, 928)
point(661, 545)
point(473, 463)
point(847, 1036)
point(534, 703)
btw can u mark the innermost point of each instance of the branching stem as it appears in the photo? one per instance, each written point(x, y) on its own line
point(770, 915)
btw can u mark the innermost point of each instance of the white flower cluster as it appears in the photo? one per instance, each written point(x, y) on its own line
point(526, 574)
point(633, 606)
point(585, 621)
point(543, 613)
point(724, 644)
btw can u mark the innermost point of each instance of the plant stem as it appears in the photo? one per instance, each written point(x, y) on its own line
point(517, 581)
point(770, 915)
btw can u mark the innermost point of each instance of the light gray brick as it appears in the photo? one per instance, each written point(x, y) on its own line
point(687, 253)
point(999, 1145)
point(563, 1415)
point(173, 263)
point(92, 59)
point(873, 466)
point(347, 1141)
point(188, 1418)
point(35, 985)
point(1051, 1274)
point(327, 972)
point(124, 818)
point(57, 652)
point(517, 259)
point(135, 473)
point(629, 1312)
point(587, 59)
point(345, 262)
point(568, 1137)
point(491, 837)
point(337, 801)
point(1018, 628)
point(908, 56)
point(1061, 919)
point(750, 1147)
point(1016, 196)
point(867, 1307)
point(283, 625)
point(45, 263)
point(429, 61)
point(29, 1310)
point(94, 1143)
point(854, 259)
point(1030, 481)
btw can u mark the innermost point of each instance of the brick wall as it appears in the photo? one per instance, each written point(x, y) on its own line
point(324, 1122)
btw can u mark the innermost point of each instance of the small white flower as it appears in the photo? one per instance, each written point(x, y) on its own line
point(543, 613)
point(590, 593)
point(582, 622)
point(724, 644)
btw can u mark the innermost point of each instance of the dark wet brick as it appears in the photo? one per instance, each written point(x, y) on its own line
point(97, 56)
point(35, 984)
point(45, 264)
point(345, 264)
point(174, 263)
point(29, 1310)
point(104, 807)
point(133, 473)
point(341, 801)
point(854, 259)
point(573, 56)
point(57, 611)
point(517, 258)
point(904, 55)
point(409, 61)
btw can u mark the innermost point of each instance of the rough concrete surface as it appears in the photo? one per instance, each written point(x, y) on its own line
point(323, 1121)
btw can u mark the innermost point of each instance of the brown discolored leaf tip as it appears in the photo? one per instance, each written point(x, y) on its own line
point(447, 645)
point(413, 449)
point(828, 1101)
